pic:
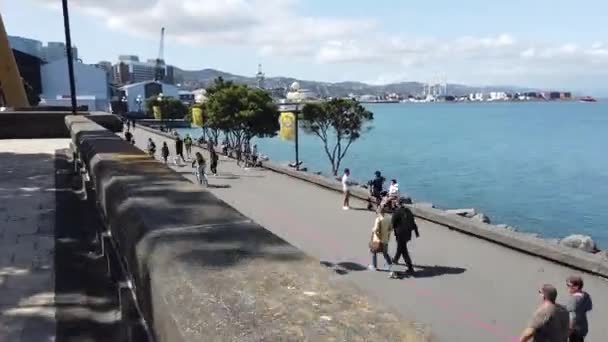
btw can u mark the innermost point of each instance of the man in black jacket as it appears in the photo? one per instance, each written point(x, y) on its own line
point(403, 225)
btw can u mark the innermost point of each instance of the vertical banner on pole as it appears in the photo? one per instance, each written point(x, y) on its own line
point(287, 121)
point(197, 116)
point(157, 113)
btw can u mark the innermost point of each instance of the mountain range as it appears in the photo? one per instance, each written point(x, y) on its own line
point(193, 79)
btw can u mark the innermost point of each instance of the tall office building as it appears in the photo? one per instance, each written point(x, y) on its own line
point(130, 69)
point(56, 50)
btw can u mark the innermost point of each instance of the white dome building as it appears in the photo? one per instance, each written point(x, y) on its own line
point(297, 94)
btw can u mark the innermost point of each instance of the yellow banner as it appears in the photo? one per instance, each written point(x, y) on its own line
point(157, 113)
point(197, 116)
point(287, 121)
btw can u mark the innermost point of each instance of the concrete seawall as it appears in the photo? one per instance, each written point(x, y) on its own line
point(204, 272)
point(577, 259)
point(37, 125)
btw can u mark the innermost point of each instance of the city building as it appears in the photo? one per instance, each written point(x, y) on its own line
point(29, 69)
point(140, 91)
point(91, 85)
point(298, 94)
point(56, 51)
point(29, 46)
point(186, 96)
point(130, 69)
point(498, 96)
point(51, 52)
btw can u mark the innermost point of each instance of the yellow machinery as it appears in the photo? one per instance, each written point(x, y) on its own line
point(12, 91)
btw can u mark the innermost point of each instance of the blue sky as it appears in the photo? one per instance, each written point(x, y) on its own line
point(548, 44)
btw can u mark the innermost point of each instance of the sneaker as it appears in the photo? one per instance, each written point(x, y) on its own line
point(393, 275)
point(345, 208)
point(371, 268)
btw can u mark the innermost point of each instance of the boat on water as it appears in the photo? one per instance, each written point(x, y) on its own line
point(587, 99)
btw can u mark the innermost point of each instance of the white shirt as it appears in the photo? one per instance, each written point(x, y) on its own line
point(345, 182)
point(393, 190)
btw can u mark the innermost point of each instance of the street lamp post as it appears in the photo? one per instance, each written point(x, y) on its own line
point(68, 47)
point(139, 101)
point(296, 113)
point(125, 105)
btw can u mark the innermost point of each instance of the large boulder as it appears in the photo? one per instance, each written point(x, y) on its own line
point(481, 218)
point(578, 241)
point(463, 212)
point(406, 200)
point(506, 227)
point(424, 205)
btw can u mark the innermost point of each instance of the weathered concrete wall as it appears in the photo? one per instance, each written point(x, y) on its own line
point(37, 125)
point(204, 272)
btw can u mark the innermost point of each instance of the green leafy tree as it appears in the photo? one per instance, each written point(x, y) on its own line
point(338, 123)
point(241, 113)
point(171, 108)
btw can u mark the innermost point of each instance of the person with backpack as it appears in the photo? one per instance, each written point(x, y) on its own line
point(199, 164)
point(188, 144)
point(403, 224)
point(165, 152)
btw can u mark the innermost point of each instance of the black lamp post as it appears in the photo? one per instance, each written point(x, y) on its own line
point(139, 101)
point(68, 47)
point(296, 113)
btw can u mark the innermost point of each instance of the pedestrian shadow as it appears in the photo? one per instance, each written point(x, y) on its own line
point(219, 186)
point(427, 271)
point(343, 268)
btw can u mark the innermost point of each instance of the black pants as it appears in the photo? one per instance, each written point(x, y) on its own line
point(402, 251)
point(576, 337)
point(213, 168)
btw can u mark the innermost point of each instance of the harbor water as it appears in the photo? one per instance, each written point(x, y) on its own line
point(540, 167)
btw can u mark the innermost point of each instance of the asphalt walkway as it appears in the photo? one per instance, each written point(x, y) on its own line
point(464, 288)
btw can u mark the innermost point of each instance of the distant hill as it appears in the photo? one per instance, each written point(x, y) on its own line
point(192, 79)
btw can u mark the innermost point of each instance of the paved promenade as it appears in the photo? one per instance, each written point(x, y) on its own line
point(465, 289)
point(51, 287)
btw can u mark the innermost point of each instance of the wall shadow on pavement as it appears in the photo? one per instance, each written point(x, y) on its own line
point(87, 303)
point(26, 214)
point(54, 232)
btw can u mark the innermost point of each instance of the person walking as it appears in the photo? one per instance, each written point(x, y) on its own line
point(214, 159)
point(128, 136)
point(381, 234)
point(188, 144)
point(578, 305)
point(165, 152)
point(179, 150)
point(376, 186)
point(550, 322)
point(151, 147)
point(199, 164)
point(254, 156)
point(403, 224)
point(133, 124)
point(346, 189)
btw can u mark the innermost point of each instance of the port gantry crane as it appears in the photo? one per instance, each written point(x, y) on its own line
point(159, 73)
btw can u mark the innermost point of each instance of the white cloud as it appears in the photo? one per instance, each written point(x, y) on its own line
point(276, 28)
